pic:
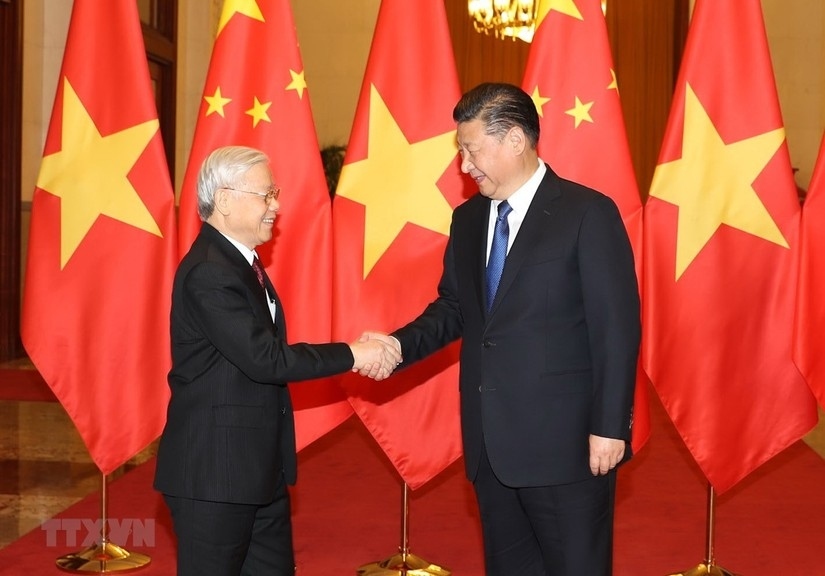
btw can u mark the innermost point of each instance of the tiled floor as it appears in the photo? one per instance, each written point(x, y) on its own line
point(44, 466)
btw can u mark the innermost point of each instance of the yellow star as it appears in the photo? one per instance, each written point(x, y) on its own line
point(712, 183)
point(539, 100)
point(298, 83)
point(90, 174)
point(614, 84)
point(396, 182)
point(258, 112)
point(246, 7)
point(580, 112)
point(216, 102)
point(564, 6)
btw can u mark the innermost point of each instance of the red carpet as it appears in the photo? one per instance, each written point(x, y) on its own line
point(24, 385)
point(348, 508)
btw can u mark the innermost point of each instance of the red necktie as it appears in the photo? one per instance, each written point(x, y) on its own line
point(259, 272)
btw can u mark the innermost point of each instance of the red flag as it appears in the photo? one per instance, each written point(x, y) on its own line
point(571, 78)
point(392, 213)
point(256, 95)
point(809, 343)
point(721, 260)
point(102, 242)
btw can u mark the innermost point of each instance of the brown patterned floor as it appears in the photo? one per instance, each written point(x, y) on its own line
point(44, 465)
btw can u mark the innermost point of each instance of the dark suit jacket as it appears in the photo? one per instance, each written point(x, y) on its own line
point(230, 431)
point(555, 360)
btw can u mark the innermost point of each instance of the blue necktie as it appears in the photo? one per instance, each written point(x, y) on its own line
point(498, 252)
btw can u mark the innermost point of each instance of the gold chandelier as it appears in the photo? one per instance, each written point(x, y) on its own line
point(505, 18)
point(508, 18)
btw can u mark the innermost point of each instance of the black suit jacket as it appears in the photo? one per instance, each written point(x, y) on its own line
point(230, 431)
point(555, 359)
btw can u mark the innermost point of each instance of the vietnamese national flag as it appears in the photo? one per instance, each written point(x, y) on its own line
point(809, 343)
point(721, 254)
point(571, 78)
point(392, 211)
point(256, 95)
point(102, 245)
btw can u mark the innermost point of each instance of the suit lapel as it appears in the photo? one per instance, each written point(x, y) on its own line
point(478, 236)
point(280, 323)
point(246, 272)
point(541, 210)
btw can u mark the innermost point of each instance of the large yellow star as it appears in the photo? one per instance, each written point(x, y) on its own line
point(539, 101)
point(299, 84)
point(396, 182)
point(564, 6)
point(216, 103)
point(581, 112)
point(712, 183)
point(90, 174)
point(246, 7)
point(258, 112)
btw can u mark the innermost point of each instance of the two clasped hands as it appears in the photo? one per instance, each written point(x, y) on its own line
point(376, 355)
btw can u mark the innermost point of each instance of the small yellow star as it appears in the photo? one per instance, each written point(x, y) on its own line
point(539, 101)
point(614, 84)
point(298, 83)
point(712, 183)
point(246, 7)
point(216, 103)
point(580, 112)
point(258, 112)
point(397, 182)
point(90, 174)
point(567, 7)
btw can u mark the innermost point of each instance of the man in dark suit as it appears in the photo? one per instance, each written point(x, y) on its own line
point(227, 452)
point(549, 351)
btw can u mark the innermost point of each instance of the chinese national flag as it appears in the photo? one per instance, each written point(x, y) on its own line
point(102, 245)
point(809, 345)
point(256, 95)
point(570, 76)
point(392, 212)
point(721, 254)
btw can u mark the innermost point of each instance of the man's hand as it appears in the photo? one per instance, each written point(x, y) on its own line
point(374, 357)
point(605, 454)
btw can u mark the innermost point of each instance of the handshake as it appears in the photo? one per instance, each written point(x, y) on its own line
point(376, 355)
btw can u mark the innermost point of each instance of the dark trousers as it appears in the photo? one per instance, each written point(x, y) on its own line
point(223, 539)
point(564, 530)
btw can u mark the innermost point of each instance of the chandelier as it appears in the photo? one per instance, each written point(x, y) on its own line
point(505, 18)
point(508, 18)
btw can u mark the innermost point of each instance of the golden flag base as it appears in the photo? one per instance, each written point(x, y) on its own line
point(102, 559)
point(405, 563)
point(402, 565)
point(705, 569)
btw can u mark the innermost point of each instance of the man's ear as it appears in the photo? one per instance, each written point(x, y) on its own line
point(517, 140)
point(222, 201)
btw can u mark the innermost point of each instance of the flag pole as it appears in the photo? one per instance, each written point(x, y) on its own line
point(104, 556)
point(708, 567)
point(405, 563)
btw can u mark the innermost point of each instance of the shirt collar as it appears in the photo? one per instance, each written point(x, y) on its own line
point(247, 253)
point(520, 199)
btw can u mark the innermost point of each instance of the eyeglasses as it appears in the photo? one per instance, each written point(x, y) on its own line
point(268, 196)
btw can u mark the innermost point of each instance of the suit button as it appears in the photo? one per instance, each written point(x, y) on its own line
point(283, 411)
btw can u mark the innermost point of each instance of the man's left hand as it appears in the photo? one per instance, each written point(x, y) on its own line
point(605, 454)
